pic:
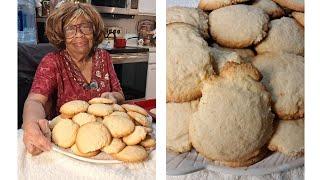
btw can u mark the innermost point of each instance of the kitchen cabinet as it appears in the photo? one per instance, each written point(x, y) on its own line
point(151, 77)
point(147, 7)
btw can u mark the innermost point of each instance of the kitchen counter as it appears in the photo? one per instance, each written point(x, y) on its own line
point(128, 50)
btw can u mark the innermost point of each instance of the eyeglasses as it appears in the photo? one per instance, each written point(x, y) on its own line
point(71, 31)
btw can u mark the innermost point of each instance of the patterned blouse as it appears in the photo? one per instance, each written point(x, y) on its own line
point(57, 72)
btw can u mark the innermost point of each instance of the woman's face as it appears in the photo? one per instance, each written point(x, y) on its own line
point(79, 36)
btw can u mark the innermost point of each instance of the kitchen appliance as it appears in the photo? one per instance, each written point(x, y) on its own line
point(129, 7)
point(131, 70)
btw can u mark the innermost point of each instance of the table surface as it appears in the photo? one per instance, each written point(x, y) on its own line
point(53, 165)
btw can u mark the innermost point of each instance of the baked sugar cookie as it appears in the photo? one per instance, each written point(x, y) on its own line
point(270, 7)
point(118, 126)
point(138, 135)
point(119, 113)
point(100, 100)
point(92, 136)
point(297, 5)
point(215, 4)
point(234, 117)
point(178, 117)
point(283, 75)
point(115, 146)
point(238, 26)
point(246, 54)
point(55, 121)
point(192, 16)
point(299, 17)
point(83, 118)
point(188, 62)
point(117, 107)
point(74, 107)
point(135, 108)
point(100, 109)
point(141, 119)
point(64, 133)
point(285, 35)
point(288, 138)
point(76, 151)
point(134, 153)
point(149, 142)
point(221, 57)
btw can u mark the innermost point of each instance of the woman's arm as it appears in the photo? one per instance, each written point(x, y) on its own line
point(36, 130)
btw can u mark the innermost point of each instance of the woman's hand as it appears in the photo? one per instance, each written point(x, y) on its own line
point(37, 136)
point(114, 96)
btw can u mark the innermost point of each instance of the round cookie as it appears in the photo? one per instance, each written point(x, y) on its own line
point(74, 107)
point(64, 133)
point(55, 121)
point(288, 138)
point(221, 57)
point(119, 113)
point(270, 7)
point(246, 54)
point(285, 35)
point(134, 153)
point(258, 156)
point(92, 136)
point(192, 16)
point(149, 142)
point(141, 119)
point(118, 126)
point(135, 108)
point(138, 135)
point(178, 117)
point(299, 17)
point(76, 151)
point(100, 100)
point(283, 75)
point(100, 109)
point(188, 62)
point(83, 118)
point(115, 146)
point(215, 4)
point(234, 117)
point(117, 107)
point(297, 5)
point(238, 26)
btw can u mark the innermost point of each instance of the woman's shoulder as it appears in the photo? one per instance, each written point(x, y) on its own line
point(102, 52)
point(51, 59)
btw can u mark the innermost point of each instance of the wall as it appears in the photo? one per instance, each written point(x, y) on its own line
point(128, 25)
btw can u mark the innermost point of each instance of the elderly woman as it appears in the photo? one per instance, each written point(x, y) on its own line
point(78, 70)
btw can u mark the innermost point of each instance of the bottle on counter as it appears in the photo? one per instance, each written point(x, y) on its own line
point(27, 22)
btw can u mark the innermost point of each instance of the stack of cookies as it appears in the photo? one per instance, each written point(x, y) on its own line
point(235, 76)
point(88, 128)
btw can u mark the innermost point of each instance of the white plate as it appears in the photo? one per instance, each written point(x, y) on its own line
point(185, 163)
point(101, 158)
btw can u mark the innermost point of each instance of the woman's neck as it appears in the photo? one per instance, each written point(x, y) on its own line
point(78, 58)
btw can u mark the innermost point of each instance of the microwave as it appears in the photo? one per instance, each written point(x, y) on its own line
point(129, 7)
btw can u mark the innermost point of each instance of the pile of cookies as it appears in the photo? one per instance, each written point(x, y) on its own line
point(235, 79)
point(88, 128)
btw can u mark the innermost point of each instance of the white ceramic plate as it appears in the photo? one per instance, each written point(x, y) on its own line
point(185, 163)
point(101, 158)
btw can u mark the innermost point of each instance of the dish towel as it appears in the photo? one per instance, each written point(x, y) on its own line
point(53, 165)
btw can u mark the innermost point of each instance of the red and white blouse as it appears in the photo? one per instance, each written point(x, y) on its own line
point(57, 72)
